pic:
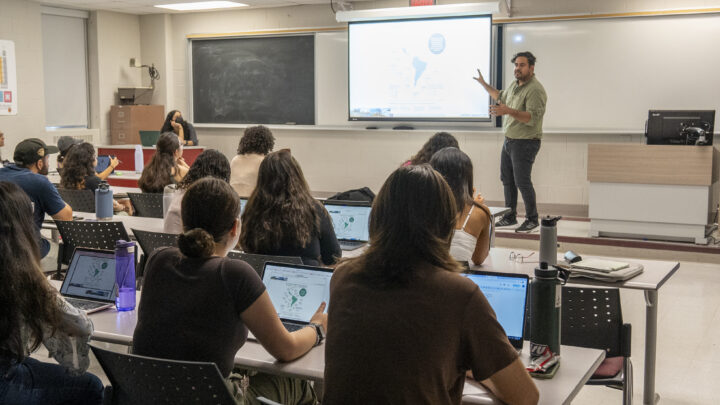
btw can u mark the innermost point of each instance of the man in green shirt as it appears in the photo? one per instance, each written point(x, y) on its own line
point(522, 106)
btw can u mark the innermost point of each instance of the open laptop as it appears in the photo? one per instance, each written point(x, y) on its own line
point(243, 202)
point(351, 220)
point(296, 291)
point(90, 281)
point(507, 294)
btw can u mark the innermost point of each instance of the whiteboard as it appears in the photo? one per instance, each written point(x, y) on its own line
point(607, 73)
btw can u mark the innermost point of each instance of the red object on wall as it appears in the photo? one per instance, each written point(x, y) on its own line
point(422, 3)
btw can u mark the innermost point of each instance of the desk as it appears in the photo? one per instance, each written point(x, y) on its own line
point(654, 276)
point(140, 223)
point(498, 211)
point(126, 154)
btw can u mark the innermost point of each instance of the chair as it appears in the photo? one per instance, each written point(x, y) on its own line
point(257, 262)
point(149, 138)
point(91, 234)
point(139, 380)
point(592, 317)
point(149, 242)
point(78, 200)
point(147, 204)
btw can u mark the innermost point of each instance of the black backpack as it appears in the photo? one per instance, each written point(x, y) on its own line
point(358, 194)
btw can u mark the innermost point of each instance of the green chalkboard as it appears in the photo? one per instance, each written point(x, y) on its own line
point(254, 80)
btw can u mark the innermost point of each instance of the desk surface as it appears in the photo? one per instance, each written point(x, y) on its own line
point(130, 223)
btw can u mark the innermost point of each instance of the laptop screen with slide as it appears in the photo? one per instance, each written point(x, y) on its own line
point(507, 294)
point(91, 275)
point(296, 291)
point(351, 219)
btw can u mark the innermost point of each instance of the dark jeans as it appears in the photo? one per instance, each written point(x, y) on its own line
point(34, 382)
point(516, 161)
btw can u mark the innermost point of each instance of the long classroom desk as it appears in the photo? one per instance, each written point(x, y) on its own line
point(654, 276)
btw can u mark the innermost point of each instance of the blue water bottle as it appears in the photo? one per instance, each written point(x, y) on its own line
point(125, 275)
point(103, 201)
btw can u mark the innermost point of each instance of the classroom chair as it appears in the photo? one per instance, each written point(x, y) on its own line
point(592, 317)
point(78, 200)
point(149, 242)
point(91, 234)
point(257, 262)
point(149, 138)
point(147, 204)
point(138, 380)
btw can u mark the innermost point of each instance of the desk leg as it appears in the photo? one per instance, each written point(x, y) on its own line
point(651, 312)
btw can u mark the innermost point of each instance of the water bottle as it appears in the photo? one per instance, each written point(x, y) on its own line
point(125, 275)
point(103, 201)
point(545, 300)
point(548, 240)
point(168, 195)
point(139, 159)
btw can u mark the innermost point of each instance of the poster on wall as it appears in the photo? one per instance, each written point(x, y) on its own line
point(8, 78)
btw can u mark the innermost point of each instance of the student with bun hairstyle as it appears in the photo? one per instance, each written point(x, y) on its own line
point(197, 304)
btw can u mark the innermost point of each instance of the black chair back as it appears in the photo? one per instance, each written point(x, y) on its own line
point(592, 317)
point(257, 262)
point(90, 234)
point(78, 200)
point(147, 380)
point(149, 242)
point(147, 204)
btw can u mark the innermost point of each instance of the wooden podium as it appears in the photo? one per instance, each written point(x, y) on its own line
point(664, 192)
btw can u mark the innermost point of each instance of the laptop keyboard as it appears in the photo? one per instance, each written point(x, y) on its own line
point(292, 327)
point(350, 244)
point(84, 305)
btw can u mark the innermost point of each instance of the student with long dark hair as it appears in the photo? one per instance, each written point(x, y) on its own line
point(210, 163)
point(32, 312)
point(282, 218)
point(185, 131)
point(471, 239)
point(167, 165)
point(405, 326)
point(198, 305)
point(435, 143)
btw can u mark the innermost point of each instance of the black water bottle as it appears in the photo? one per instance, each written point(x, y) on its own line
point(545, 300)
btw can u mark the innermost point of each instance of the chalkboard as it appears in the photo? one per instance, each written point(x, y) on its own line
point(254, 80)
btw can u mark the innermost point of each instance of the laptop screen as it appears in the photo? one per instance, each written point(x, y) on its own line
point(296, 291)
point(351, 222)
point(91, 275)
point(243, 201)
point(507, 294)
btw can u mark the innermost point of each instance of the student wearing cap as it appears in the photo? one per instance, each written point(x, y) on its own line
point(29, 172)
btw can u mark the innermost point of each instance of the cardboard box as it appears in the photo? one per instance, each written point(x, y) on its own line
point(126, 122)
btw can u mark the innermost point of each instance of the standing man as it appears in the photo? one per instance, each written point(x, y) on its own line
point(522, 106)
point(29, 172)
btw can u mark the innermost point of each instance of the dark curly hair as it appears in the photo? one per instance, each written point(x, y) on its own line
point(435, 143)
point(209, 163)
point(78, 165)
point(257, 139)
point(527, 55)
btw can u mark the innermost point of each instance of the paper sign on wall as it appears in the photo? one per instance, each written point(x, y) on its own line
point(8, 78)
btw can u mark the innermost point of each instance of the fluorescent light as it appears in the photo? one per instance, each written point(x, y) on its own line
point(201, 5)
point(446, 10)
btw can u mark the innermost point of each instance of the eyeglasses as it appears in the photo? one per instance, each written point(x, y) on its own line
point(519, 258)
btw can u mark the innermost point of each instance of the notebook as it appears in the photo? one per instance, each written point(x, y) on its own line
point(90, 280)
point(296, 291)
point(599, 265)
point(351, 220)
point(507, 294)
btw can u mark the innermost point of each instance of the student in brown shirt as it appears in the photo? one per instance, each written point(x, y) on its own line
point(405, 327)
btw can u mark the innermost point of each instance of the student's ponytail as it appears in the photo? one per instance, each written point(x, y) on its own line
point(196, 243)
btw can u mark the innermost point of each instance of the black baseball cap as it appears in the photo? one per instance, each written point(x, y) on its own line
point(31, 150)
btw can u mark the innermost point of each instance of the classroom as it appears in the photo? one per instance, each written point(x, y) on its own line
point(605, 66)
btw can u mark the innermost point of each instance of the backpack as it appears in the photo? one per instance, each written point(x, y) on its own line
point(358, 194)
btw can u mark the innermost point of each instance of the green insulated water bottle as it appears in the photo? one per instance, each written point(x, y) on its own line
point(545, 299)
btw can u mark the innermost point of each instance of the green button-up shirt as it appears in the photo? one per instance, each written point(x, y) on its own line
point(530, 97)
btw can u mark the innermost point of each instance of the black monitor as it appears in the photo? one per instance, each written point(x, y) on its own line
point(680, 127)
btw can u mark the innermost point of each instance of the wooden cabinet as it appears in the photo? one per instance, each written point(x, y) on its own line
point(127, 120)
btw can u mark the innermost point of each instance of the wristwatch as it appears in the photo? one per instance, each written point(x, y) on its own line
point(320, 331)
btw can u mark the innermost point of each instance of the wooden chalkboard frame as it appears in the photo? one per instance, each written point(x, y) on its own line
point(308, 86)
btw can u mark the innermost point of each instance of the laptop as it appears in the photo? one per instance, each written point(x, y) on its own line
point(351, 220)
point(296, 291)
point(507, 294)
point(90, 280)
point(243, 202)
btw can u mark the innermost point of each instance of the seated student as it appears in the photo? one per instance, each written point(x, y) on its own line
point(471, 239)
point(197, 304)
point(32, 312)
point(167, 165)
point(405, 326)
point(254, 145)
point(185, 131)
point(282, 218)
point(435, 143)
point(29, 172)
point(210, 163)
point(64, 144)
point(79, 173)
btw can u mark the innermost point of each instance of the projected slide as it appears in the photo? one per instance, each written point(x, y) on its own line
point(419, 69)
point(296, 293)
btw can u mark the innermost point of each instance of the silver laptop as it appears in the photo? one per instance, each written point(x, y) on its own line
point(90, 280)
point(296, 291)
point(351, 220)
point(507, 294)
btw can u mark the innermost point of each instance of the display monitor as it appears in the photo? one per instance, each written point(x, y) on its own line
point(419, 69)
point(680, 127)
